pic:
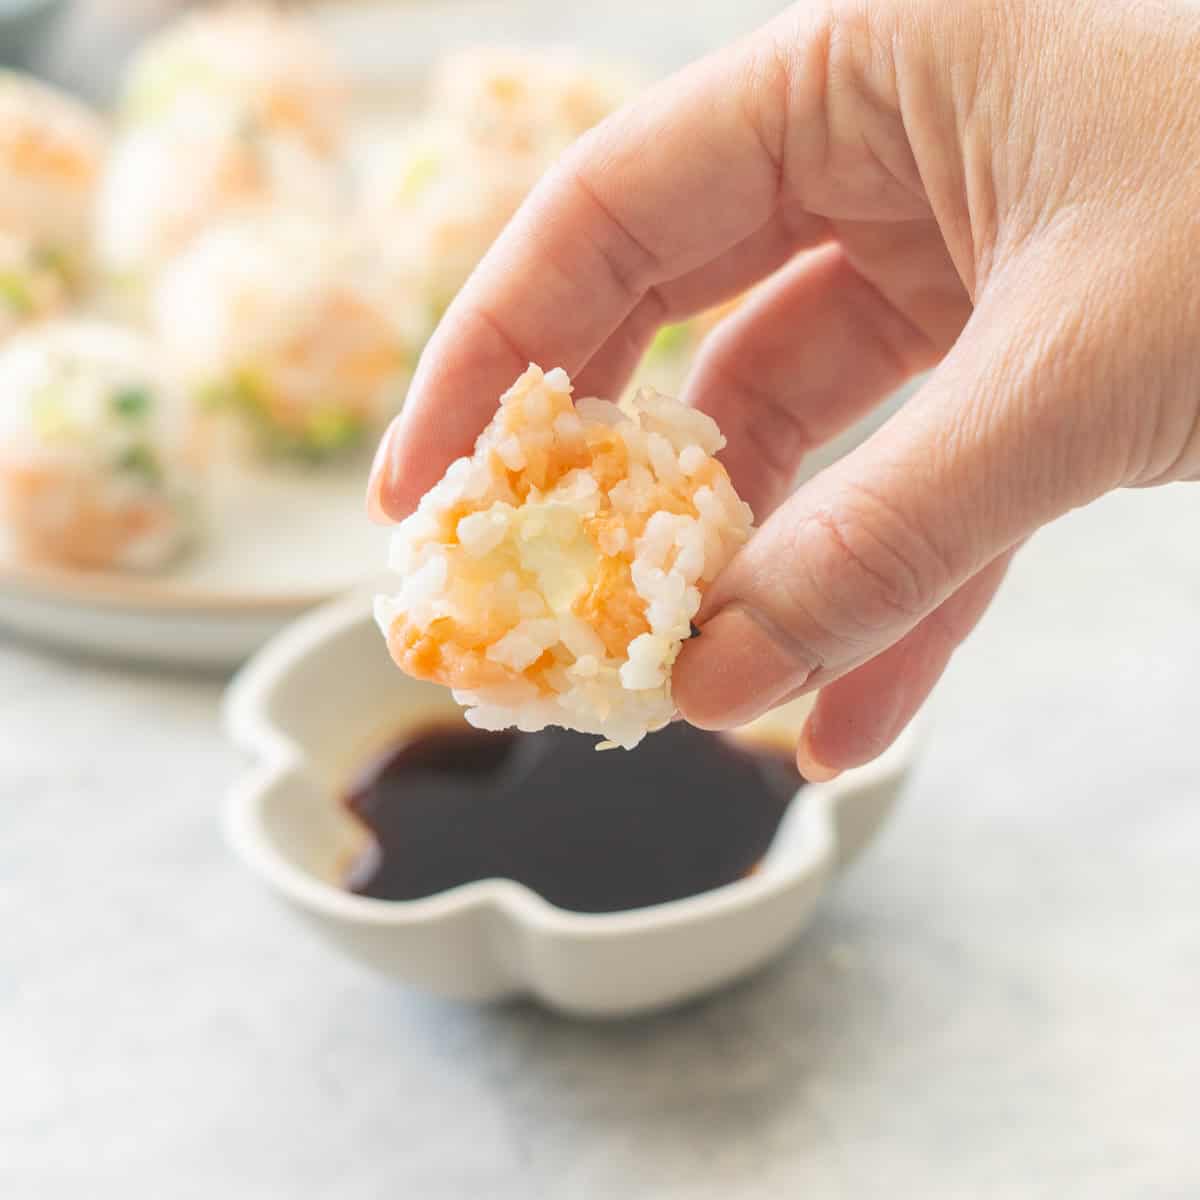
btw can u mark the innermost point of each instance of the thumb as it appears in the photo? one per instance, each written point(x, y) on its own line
point(1012, 430)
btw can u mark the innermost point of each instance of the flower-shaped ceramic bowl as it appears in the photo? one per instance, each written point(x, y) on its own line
point(323, 696)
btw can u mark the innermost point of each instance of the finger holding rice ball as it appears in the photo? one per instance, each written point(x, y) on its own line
point(551, 578)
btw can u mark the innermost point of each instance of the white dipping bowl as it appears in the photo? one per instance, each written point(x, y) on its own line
point(321, 697)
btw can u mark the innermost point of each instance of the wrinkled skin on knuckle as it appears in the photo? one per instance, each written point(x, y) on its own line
point(768, 80)
point(1161, 392)
point(902, 104)
point(866, 569)
point(1089, 148)
point(906, 265)
point(980, 89)
point(1160, 368)
point(1106, 366)
point(1033, 414)
point(1093, 105)
point(842, 149)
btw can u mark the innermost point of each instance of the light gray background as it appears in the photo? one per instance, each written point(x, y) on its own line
point(1000, 1001)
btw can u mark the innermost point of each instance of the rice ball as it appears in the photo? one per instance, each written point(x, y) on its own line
point(526, 102)
point(249, 59)
point(33, 284)
point(551, 578)
point(437, 195)
point(434, 205)
point(282, 323)
point(97, 463)
point(169, 180)
point(50, 153)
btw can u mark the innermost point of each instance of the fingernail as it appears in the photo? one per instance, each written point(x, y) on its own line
point(380, 477)
point(811, 767)
point(734, 671)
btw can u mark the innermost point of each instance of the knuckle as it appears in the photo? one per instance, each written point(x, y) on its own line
point(628, 257)
point(872, 567)
point(767, 99)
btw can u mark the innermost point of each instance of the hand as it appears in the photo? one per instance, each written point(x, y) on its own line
point(1008, 192)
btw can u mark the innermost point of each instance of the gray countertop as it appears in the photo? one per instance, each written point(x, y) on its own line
point(999, 1001)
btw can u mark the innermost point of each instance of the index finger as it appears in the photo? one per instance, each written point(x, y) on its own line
point(659, 189)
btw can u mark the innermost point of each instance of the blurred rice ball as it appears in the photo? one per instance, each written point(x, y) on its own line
point(97, 448)
point(169, 180)
point(437, 194)
point(526, 102)
point(281, 323)
point(51, 149)
point(433, 204)
point(249, 59)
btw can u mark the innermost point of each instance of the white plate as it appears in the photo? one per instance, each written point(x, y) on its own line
point(278, 542)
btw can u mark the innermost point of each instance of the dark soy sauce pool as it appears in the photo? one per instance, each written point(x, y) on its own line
point(593, 832)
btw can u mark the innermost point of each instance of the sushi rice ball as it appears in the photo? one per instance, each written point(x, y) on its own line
point(33, 283)
point(440, 193)
point(249, 59)
point(526, 102)
point(169, 180)
point(551, 577)
point(282, 324)
point(50, 155)
point(97, 461)
point(434, 205)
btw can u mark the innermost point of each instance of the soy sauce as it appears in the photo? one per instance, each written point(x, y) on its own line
point(592, 832)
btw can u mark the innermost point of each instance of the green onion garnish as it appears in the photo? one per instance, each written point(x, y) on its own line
point(140, 461)
point(131, 402)
point(671, 339)
point(15, 294)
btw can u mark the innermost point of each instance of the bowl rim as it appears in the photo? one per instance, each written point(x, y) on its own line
point(276, 758)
